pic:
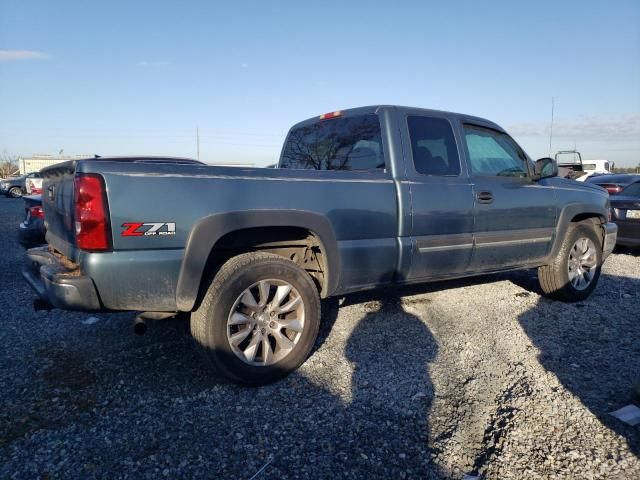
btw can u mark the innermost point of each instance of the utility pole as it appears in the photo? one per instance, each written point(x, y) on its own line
point(551, 129)
point(198, 142)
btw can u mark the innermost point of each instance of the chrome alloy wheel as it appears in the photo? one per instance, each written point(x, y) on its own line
point(582, 262)
point(266, 322)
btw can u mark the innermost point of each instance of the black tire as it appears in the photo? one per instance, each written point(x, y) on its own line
point(209, 322)
point(554, 278)
point(15, 192)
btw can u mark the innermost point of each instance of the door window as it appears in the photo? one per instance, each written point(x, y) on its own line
point(494, 154)
point(433, 146)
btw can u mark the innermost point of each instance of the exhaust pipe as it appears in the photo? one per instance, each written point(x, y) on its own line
point(40, 304)
point(140, 323)
point(139, 326)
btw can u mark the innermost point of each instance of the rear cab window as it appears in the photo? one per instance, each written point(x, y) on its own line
point(351, 143)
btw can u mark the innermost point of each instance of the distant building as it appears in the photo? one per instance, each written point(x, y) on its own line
point(38, 162)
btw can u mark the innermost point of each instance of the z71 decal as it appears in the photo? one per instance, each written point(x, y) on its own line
point(140, 229)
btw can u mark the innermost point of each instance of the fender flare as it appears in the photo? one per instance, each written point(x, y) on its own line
point(208, 230)
point(568, 213)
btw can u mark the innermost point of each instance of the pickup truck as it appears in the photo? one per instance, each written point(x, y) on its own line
point(360, 199)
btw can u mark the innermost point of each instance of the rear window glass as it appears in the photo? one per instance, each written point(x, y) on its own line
point(352, 143)
point(632, 190)
point(433, 146)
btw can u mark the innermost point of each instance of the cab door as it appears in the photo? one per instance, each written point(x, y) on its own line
point(515, 216)
point(442, 204)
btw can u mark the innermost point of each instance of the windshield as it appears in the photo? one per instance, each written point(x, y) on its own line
point(493, 153)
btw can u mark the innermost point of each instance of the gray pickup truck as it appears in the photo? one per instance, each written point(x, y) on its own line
point(360, 199)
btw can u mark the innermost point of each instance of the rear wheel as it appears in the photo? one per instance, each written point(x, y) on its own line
point(259, 318)
point(575, 271)
point(15, 192)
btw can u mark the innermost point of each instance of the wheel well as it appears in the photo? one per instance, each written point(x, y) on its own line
point(586, 217)
point(294, 243)
point(593, 219)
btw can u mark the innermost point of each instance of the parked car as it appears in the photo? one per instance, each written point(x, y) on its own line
point(625, 209)
point(361, 199)
point(615, 182)
point(33, 183)
point(13, 187)
point(31, 232)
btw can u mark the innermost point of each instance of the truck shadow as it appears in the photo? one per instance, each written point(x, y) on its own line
point(391, 389)
point(594, 354)
point(634, 251)
point(372, 412)
point(376, 428)
point(365, 418)
point(592, 347)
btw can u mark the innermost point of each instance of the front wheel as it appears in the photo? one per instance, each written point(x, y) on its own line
point(575, 271)
point(15, 192)
point(259, 318)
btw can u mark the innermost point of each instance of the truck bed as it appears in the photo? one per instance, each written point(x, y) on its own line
point(360, 208)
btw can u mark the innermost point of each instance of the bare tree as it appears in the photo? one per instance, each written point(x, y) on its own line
point(327, 146)
point(8, 164)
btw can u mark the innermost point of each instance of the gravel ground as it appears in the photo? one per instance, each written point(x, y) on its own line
point(479, 376)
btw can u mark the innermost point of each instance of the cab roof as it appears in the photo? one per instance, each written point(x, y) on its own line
point(373, 109)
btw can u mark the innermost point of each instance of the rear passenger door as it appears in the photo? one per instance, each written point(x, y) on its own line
point(441, 198)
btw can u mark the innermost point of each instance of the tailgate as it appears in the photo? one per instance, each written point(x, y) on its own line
point(57, 202)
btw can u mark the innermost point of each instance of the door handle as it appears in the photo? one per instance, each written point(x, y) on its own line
point(484, 197)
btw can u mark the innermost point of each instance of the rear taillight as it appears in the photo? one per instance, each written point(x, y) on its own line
point(91, 213)
point(36, 212)
point(612, 188)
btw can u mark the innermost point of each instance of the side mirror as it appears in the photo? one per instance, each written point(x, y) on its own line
point(545, 168)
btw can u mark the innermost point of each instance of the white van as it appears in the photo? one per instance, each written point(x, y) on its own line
point(579, 169)
point(589, 167)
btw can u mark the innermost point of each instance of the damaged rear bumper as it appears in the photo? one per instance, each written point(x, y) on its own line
point(57, 284)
